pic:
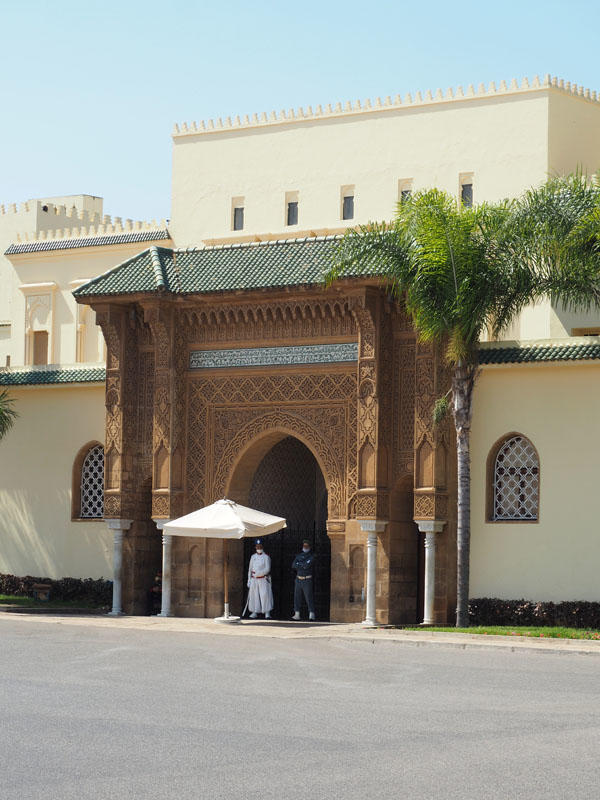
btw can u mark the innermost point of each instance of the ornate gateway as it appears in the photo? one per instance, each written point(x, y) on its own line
point(216, 355)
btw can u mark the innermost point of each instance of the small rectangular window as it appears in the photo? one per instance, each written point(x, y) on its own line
point(238, 218)
point(404, 189)
point(348, 207)
point(237, 213)
point(466, 194)
point(40, 347)
point(292, 212)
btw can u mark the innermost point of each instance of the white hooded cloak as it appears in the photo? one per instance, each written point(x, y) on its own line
point(260, 594)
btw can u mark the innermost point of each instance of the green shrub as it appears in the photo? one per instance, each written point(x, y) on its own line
point(87, 590)
point(568, 613)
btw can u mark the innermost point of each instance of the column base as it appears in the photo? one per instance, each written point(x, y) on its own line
point(116, 614)
point(162, 614)
point(368, 624)
point(227, 619)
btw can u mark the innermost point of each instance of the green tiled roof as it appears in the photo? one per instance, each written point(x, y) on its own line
point(219, 269)
point(498, 354)
point(131, 237)
point(53, 373)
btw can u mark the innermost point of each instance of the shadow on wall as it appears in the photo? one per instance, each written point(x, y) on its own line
point(32, 542)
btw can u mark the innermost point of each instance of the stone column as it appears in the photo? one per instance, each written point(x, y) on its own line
point(167, 542)
point(118, 526)
point(371, 527)
point(430, 528)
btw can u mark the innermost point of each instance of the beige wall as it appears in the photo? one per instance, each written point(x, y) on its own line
point(66, 269)
point(557, 558)
point(502, 140)
point(574, 135)
point(36, 461)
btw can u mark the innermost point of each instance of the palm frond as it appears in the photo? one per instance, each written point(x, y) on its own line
point(8, 414)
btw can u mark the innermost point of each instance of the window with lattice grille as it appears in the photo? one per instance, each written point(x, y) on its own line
point(92, 484)
point(516, 481)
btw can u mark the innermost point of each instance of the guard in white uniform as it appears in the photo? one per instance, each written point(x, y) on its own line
point(260, 594)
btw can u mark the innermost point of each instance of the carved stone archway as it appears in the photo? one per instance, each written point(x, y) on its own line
point(236, 468)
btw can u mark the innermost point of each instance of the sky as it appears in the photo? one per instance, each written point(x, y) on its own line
point(90, 91)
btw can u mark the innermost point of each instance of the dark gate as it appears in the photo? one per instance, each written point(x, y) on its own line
point(282, 547)
point(289, 482)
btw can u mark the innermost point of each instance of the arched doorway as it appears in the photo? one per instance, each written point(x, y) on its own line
point(289, 482)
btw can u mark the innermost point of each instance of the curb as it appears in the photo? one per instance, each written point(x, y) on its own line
point(331, 632)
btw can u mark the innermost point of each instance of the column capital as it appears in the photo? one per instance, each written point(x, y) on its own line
point(430, 525)
point(372, 525)
point(160, 523)
point(118, 524)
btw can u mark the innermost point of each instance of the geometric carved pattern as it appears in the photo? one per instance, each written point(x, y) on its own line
point(424, 506)
point(92, 484)
point(516, 480)
point(297, 422)
point(226, 413)
point(267, 356)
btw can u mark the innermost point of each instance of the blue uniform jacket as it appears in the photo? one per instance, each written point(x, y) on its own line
point(303, 563)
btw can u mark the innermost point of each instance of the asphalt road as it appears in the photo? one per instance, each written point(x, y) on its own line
point(109, 713)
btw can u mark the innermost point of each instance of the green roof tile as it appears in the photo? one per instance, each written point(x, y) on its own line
point(132, 237)
point(219, 269)
point(499, 354)
point(52, 374)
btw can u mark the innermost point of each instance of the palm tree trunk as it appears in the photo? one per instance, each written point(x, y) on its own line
point(462, 385)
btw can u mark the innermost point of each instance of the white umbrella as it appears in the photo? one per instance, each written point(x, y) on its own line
point(225, 519)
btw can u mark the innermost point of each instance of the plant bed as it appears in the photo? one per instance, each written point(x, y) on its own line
point(65, 592)
point(546, 632)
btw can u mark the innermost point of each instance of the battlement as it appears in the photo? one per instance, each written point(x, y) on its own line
point(99, 226)
point(368, 106)
point(42, 220)
point(52, 210)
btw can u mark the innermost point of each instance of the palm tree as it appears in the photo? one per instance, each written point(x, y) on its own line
point(7, 413)
point(464, 272)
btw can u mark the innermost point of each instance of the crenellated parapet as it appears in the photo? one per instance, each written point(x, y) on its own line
point(103, 226)
point(369, 106)
point(40, 220)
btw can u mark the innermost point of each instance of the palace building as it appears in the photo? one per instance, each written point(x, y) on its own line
point(157, 368)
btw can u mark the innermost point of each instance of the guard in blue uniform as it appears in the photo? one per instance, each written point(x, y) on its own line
point(304, 585)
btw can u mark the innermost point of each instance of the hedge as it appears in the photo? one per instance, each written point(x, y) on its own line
point(86, 590)
point(568, 613)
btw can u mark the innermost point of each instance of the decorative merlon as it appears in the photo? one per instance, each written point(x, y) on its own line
point(63, 222)
point(378, 105)
point(107, 227)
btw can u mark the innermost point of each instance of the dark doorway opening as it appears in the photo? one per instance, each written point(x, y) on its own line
point(289, 482)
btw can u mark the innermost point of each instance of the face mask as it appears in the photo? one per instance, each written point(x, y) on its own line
point(306, 549)
point(259, 550)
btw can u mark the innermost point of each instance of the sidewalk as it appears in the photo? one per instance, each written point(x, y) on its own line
point(329, 631)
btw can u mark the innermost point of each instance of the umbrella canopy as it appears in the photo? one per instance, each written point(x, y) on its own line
point(225, 519)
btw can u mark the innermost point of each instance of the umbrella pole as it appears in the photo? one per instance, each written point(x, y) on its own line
point(226, 577)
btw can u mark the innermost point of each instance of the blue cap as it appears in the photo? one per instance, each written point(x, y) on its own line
point(258, 541)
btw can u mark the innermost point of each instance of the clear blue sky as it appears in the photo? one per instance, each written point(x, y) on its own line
point(90, 91)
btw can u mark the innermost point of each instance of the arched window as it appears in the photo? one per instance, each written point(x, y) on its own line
point(88, 483)
point(516, 480)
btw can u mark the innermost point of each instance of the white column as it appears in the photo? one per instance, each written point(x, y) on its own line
point(371, 527)
point(430, 528)
point(167, 541)
point(118, 527)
